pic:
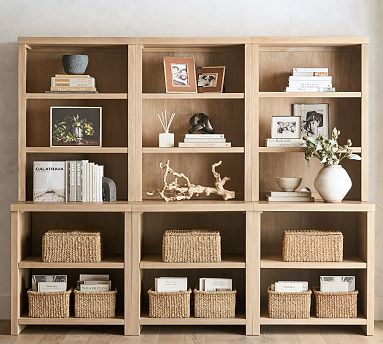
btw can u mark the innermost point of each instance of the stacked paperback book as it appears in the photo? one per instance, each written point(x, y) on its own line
point(94, 283)
point(67, 181)
point(310, 80)
point(285, 143)
point(204, 141)
point(290, 196)
point(66, 83)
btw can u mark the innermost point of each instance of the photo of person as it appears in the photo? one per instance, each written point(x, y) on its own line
point(207, 80)
point(179, 74)
point(285, 127)
point(314, 119)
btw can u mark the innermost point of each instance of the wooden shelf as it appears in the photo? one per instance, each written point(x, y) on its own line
point(193, 95)
point(265, 320)
point(344, 206)
point(239, 320)
point(181, 150)
point(77, 96)
point(228, 262)
point(25, 320)
point(89, 150)
point(310, 94)
point(34, 262)
point(275, 262)
point(71, 207)
point(294, 149)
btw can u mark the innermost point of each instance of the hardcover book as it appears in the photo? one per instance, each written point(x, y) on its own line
point(215, 284)
point(51, 287)
point(171, 284)
point(47, 278)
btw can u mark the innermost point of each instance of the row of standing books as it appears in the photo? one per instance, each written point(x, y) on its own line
point(65, 83)
point(310, 80)
point(204, 141)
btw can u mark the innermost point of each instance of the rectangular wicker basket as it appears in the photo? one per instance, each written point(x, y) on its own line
point(169, 305)
point(95, 304)
point(336, 305)
point(71, 246)
point(214, 304)
point(188, 246)
point(312, 246)
point(48, 305)
point(289, 305)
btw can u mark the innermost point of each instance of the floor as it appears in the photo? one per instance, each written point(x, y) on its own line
point(190, 335)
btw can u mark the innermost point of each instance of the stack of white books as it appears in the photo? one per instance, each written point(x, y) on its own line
point(285, 143)
point(215, 284)
point(310, 80)
point(94, 283)
point(66, 83)
point(290, 196)
point(204, 141)
point(330, 284)
point(67, 181)
point(49, 283)
point(290, 286)
point(171, 284)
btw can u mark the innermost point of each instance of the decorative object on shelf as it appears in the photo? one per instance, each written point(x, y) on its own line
point(288, 183)
point(214, 304)
point(63, 83)
point(312, 246)
point(210, 79)
point(304, 195)
point(75, 126)
point(166, 139)
point(285, 127)
point(48, 304)
point(169, 305)
point(190, 246)
point(314, 119)
point(75, 64)
point(95, 304)
point(332, 181)
point(200, 124)
point(310, 80)
point(71, 246)
point(173, 191)
point(109, 191)
point(336, 305)
point(180, 76)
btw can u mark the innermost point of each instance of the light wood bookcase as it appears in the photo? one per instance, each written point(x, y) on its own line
point(129, 77)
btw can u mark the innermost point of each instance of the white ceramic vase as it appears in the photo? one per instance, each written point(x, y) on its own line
point(333, 183)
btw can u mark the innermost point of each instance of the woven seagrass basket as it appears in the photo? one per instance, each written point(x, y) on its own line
point(312, 246)
point(289, 305)
point(169, 305)
point(188, 246)
point(71, 246)
point(48, 304)
point(337, 304)
point(95, 304)
point(214, 304)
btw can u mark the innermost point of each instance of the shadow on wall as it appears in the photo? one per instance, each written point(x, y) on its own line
point(8, 161)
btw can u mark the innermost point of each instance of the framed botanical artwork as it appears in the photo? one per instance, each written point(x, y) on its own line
point(180, 75)
point(210, 79)
point(75, 126)
point(285, 127)
point(314, 119)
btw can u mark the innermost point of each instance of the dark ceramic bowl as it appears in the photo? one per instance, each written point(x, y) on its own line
point(75, 64)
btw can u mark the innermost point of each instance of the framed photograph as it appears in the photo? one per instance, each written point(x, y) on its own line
point(180, 75)
point(314, 119)
point(285, 127)
point(210, 79)
point(75, 126)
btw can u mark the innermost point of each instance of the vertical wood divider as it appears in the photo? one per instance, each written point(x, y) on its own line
point(15, 299)
point(364, 122)
point(370, 250)
point(248, 123)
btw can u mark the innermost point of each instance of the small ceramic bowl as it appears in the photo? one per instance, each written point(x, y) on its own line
point(288, 184)
point(75, 64)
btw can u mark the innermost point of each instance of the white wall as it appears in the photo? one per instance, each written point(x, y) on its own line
point(182, 18)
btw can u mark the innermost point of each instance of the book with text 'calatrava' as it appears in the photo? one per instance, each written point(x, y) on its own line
point(49, 181)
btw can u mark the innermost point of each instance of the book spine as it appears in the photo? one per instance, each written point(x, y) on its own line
point(217, 136)
point(290, 199)
point(209, 140)
point(310, 73)
point(203, 145)
point(94, 186)
point(66, 183)
point(310, 70)
point(83, 180)
point(311, 78)
point(290, 194)
point(312, 83)
point(78, 181)
point(100, 183)
point(284, 144)
point(72, 181)
point(70, 76)
point(94, 287)
point(70, 88)
point(310, 89)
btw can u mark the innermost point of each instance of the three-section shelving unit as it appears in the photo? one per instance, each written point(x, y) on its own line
point(130, 81)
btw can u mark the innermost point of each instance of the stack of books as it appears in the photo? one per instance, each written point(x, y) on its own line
point(94, 283)
point(66, 83)
point(310, 80)
point(204, 141)
point(290, 196)
point(49, 283)
point(285, 143)
point(290, 286)
point(67, 181)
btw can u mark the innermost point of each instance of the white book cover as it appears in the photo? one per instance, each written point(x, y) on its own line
point(218, 284)
point(337, 283)
point(171, 284)
point(94, 287)
point(290, 193)
point(311, 69)
point(51, 286)
point(88, 277)
point(83, 180)
point(286, 145)
point(47, 278)
point(311, 78)
point(94, 185)
point(291, 286)
point(199, 136)
point(72, 181)
point(312, 83)
point(290, 199)
point(203, 144)
point(66, 172)
point(90, 181)
point(49, 181)
point(101, 169)
point(109, 283)
point(202, 139)
point(202, 284)
point(285, 140)
point(310, 89)
point(78, 181)
point(310, 73)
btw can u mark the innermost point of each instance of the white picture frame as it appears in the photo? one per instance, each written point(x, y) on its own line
point(314, 119)
point(285, 127)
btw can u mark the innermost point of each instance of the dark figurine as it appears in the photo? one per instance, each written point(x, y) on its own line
point(200, 124)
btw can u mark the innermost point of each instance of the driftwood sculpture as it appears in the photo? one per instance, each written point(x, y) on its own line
point(173, 191)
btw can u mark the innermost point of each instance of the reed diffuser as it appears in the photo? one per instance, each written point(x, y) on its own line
point(166, 139)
